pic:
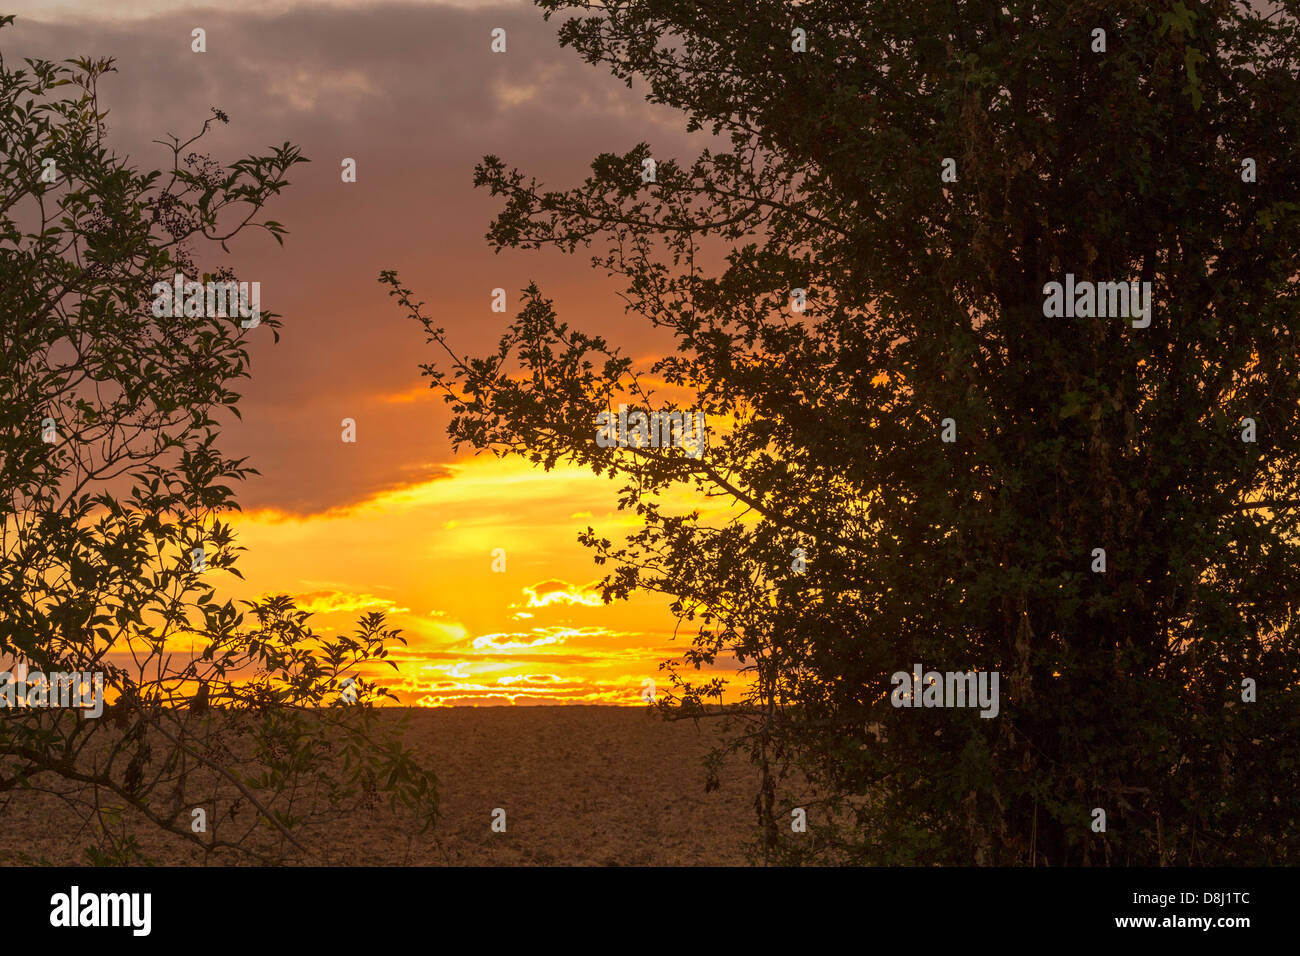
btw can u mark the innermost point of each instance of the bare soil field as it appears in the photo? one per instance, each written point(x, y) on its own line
point(588, 786)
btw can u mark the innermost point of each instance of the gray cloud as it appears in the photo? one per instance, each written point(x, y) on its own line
point(413, 93)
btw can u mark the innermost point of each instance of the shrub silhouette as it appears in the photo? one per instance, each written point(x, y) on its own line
point(112, 480)
point(924, 302)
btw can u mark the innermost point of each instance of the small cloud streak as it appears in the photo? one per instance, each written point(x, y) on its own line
point(337, 602)
point(552, 592)
point(538, 637)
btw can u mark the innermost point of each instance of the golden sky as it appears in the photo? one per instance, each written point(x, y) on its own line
point(536, 632)
point(398, 521)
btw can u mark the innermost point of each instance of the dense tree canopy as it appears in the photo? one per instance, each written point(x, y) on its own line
point(1110, 156)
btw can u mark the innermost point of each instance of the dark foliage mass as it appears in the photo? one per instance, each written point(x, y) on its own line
point(1121, 690)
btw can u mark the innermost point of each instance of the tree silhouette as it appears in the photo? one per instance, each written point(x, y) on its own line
point(112, 538)
point(948, 457)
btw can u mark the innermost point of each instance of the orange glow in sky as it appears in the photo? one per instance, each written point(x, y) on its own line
point(399, 522)
point(536, 632)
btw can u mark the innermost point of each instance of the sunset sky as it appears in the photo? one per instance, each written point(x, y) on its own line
point(398, 521)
